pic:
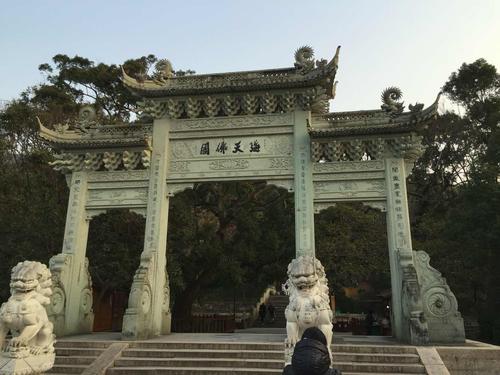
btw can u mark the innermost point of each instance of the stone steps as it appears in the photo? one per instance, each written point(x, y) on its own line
point(219, 371)
point(67, 369)
point(158, 363)
point(265, 354)
point(200, 362)
point(189, 371)
point(74, 360)
point(225, 358)
point(203, 353)
point(73, 357)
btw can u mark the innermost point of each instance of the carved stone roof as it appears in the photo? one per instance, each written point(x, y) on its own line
point(258, 80)
point(97, 137)
point(370, 122)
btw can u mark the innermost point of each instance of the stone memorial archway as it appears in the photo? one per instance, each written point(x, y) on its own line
point(270, 125)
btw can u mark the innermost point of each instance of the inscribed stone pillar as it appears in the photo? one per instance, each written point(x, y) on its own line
point(71, 303)
point(147, 314)
point(398, 238)
point(304, 210)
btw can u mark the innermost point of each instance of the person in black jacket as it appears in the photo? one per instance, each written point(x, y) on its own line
point(311, 356)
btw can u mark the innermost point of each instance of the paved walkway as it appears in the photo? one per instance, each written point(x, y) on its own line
point(261, 335)
point(245, 335)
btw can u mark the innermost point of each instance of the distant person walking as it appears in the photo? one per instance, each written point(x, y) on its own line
point(272, 312)
point(385, 326)
point(369, 320)
point(262, 313)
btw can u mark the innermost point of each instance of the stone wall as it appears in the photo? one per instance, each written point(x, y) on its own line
point(471, 361)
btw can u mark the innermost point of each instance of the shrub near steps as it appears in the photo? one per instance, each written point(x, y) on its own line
point(190, 358)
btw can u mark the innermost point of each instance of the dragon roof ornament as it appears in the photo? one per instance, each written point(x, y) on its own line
point(303, 75)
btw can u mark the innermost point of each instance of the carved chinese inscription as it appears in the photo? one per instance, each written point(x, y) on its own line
point(398, 197)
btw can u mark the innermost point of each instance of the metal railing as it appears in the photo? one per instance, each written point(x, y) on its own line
point(209, 323)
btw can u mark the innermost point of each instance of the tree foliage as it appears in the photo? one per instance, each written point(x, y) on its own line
point(238, 235)
point(351, 242)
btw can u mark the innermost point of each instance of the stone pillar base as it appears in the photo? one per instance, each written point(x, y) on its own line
point(32, 364)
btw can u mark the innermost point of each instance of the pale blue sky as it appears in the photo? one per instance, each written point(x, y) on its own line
point(411, 44)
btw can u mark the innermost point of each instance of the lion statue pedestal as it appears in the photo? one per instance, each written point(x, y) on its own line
point(309, 306)
point(31, 348)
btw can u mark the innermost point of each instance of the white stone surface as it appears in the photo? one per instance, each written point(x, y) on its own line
point(31, 348)
point(148, 313)
point(309, 304)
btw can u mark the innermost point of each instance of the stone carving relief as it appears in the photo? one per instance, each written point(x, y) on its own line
point(86, 299)
point(181, 150)
point(112, 160)
point(117, 197)
point(165, 308)
point(439, 302)
point(31, 348)
point(124, 176)
point(280, 163)
point(59, 265)
point(309, 306)
point(281, 145)
point(139, 303)
point(229, 164)
point(349, 166)
point(412, 306)
point(377, 185)
point(179, 166)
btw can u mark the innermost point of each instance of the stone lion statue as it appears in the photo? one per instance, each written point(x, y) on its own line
point(309, 305)
point(24, 315)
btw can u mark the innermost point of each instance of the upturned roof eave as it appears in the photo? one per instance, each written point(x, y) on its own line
point(72, 140)
point(374, 122)
point(171, 92)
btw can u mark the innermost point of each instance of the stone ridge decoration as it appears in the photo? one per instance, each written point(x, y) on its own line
point(391, 105)
point(31, 348)
point(271, 125)
point(296, 77)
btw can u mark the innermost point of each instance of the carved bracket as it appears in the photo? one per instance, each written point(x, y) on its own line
point(237, 104)
point(110, 161)
point(407, 147)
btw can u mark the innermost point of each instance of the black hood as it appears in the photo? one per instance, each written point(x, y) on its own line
point(310, 357)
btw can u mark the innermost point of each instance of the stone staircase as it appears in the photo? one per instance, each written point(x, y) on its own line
point(73, 357)
point(279, 303)
point(225, 358)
